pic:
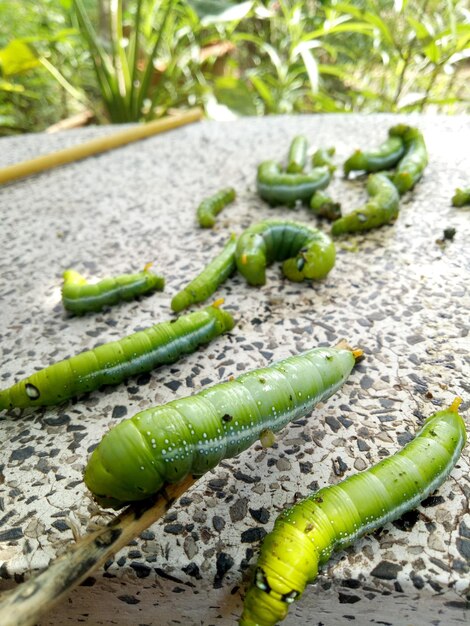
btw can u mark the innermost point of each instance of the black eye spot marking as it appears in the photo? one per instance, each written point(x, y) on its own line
point(290, 597)
point(227, 417)
point(261, 581)
point(31, 391)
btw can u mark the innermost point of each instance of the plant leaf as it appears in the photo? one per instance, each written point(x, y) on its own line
point(212, 11)
point(17, 57)
point(236, 95)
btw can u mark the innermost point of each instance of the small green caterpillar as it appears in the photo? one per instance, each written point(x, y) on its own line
point(278, 187)
point(324, 156)
point(79, 297)
point(297, 157)
point(324, 206)
point(384, 157)
point(306, 251)
point(111, 363)
point(212, 206)
point(305, 535)
point(205, 283)
point(411, 166)
point(382, 208)
point(461, 197)
point(191, 435)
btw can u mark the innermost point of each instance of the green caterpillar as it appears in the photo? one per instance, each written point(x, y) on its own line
point(382, 208)
point(212, 206)
point(324, 156)
point(205, 283)
point(323, 206)
point(461, 197)
point(191, 435)
point(411, 166)
point(306, 251)
point(384, 157)
point(79, 297)
point(297, 157)
point(305, 535)
point(278, 187)
point(111, 363)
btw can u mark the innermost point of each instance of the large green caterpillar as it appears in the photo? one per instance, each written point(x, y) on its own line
point(111, 363)
point(78, 296)
point(193, 434)
point(212, 206)
point(205, 283)
point(411, 166)
point(305, 535)
point(278, 187)
point(384, 157)
point(306, 251)
point(382, 208)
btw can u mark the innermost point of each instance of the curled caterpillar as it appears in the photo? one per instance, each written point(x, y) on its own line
point(323, 206)
point(305, 535)
point(461, 197)
point(212, 206)
point(111, 363)
point(192, 435)
point(297, 157)
point(205, 283)
point(278, 187)
point(384, 157)
point(78, 296)
point(382, 208)
point(324, 156)
point(411, 166)
point(306, 251)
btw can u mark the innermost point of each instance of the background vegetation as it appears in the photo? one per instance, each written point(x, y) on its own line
point(129, 60)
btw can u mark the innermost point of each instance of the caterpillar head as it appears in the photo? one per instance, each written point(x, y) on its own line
point(286, 563)
point(23, 394)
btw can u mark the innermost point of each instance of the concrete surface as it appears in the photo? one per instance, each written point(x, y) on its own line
point(395, 291)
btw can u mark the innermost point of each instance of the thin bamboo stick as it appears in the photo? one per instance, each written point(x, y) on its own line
point(95, 146)
point(27, 603)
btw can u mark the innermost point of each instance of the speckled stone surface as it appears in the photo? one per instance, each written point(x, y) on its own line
point(395, 291)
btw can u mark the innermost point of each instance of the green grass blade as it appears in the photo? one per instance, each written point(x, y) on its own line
point(143, 90)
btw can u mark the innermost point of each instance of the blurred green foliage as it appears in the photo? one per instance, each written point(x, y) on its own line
point(130, 60)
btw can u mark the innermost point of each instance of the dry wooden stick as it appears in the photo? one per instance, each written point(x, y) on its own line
point(27, 603)
point(95, 146)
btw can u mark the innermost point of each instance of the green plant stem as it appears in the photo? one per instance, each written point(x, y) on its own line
point(431, 82)
point(406, 56)
point(63, 82)
point(134, 57)
point(119, 55)
point(142, 92)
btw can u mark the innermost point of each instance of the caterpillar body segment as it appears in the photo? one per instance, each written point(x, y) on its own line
point(277, 187)
point(211, 277)
point(306, 252)
point(324, 206)
point(297, 157)
point(210, 207)
point(305, 535)
point(382, 208)
point(386, 156)
point(324, 157)
point(79, 296)
point(111, 363)
point(461, 197)
point(411, 166)
point(191, 435)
